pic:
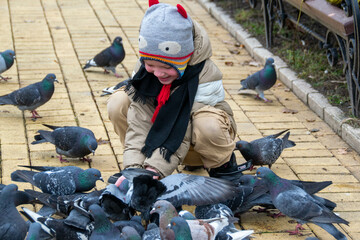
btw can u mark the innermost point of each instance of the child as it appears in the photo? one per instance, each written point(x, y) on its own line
point(175, 100)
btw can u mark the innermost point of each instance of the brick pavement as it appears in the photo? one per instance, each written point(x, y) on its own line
point(58, 36)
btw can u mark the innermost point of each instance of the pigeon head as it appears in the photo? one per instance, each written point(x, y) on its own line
point(267, 174)
point(269, 61)
point(48, 82)
point(102, 223)
point(89, 142)
point(248, 180)
point(8, 193)
point(117, 41)
point(180, 228)
point(8, 55)
point(242, 145)
point(88, 178)
point(164, 207)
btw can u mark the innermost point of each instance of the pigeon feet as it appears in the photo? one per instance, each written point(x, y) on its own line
point(118, 75)
point(261, 210)
point(106, 71)
point(5, 78)
point(277, 215)
point(268, 100)
point(35, 115)
point(297, 232)
point(62, 159)
point(252, 168)
point(87, 159)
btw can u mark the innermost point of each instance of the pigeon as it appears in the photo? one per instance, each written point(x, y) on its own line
point(12, 225)
point(109, 58)
point(295, 203)
point(6, 61)
point(103, 228)
point(218, 210)
point(71, 141)
point(179, 189)
point(203, 228)
point(21, 197)
point(166, 212)
point(59, 180)
point(111, 90)
point(129, 233)
point(266, 150)
point(32, 96)
point(262, 80)
point(57, 227)
point(265, 199)
point(152, 232)
point(134, 222)
point(37, 233)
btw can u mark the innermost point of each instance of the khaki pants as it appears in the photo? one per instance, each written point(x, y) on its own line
point(212, 135)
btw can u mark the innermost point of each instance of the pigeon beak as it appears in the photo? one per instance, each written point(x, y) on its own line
point(56, 80)
point(14, 57)
point(93, 151)
point(101, 179)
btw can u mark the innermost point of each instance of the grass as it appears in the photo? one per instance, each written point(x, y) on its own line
point(299, 50)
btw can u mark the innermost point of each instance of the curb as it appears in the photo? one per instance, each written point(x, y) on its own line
point(332, 115)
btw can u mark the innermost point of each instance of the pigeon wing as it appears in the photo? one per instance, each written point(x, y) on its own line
point(103, 58)
point(196, 190)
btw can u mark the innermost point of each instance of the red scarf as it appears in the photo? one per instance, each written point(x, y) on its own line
point(161, 99)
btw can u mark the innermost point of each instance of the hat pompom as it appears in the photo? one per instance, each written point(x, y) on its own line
point(182, 10)
point(153, 2)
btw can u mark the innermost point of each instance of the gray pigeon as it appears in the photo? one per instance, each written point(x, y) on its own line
point(32, 96)
point(37, 233)
point(71, 141)
point(294, 202)
point(103, 228)
point(111, 90)
point(6, 61)
point(152, 232)
point(266, 150)
point(262, 80)
point(130, 233)
point(57, 228)
point(59, 180)
point(109, 58)
point(12, 225)
point(265, 199)
point(21, 197)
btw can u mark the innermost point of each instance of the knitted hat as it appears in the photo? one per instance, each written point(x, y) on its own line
point(166, 35)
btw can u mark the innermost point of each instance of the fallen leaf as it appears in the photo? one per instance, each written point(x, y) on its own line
point(287, 110)
point(100, 141)
point(286, 90)
point(234, 51)
point(310, 120)
point(229, 63)
point(314, 130)
point(286, 99)
point(255, 64)
point(342, 151)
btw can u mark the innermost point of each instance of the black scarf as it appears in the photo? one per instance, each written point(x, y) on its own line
point(169, 128)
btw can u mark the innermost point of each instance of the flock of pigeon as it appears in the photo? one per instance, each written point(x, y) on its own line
point(143, 207)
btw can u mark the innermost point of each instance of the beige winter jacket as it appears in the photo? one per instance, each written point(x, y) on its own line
point(139, 115)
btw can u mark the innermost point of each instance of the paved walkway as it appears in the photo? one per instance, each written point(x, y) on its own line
point(58, 36)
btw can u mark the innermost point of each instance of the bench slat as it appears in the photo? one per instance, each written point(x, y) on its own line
point(330, 16)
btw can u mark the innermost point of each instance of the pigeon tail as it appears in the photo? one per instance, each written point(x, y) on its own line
point(330, 228)
point(51, 126)
point(90, 63)
point(44, 136)
point(288, 143)
point(23, 176)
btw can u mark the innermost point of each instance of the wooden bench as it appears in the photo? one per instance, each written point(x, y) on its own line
point(342, 36)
